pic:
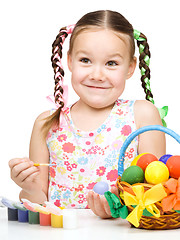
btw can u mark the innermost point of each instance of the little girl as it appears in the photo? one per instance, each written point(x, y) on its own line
point(84, 140)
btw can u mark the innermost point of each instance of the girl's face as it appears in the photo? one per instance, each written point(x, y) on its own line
point(100, 64)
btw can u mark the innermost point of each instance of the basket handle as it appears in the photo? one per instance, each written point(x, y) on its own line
point(135, 134)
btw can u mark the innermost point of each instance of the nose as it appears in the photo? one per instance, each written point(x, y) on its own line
point(97, 73)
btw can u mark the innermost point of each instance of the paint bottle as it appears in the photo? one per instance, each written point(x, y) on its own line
point(45, 219)
point(12, 214)
point(56, 221)
point(33, 217)
point(23, 215)
point(70, 220)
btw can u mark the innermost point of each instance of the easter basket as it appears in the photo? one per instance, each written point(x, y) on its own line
point(143, 200)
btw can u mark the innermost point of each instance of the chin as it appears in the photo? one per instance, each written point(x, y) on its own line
point(100, 105)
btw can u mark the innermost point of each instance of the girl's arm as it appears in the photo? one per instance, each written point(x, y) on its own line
point(38, 153)
point(152, 141)
point(33, 180)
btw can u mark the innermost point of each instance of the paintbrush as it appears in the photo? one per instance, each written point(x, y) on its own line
point(44, 164)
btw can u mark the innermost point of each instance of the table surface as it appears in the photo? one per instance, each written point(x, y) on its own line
point(90, 227)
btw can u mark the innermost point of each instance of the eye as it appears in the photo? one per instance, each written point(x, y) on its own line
point(85, 60)
point(112, 63)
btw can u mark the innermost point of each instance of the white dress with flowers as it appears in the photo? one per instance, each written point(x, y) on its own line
point(85, 158)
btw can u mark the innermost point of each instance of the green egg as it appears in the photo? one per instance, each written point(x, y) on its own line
point(133, 174)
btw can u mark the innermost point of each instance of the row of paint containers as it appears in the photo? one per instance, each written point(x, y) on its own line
point(33, 213)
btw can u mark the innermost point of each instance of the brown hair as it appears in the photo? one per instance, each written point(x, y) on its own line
point(104, 19)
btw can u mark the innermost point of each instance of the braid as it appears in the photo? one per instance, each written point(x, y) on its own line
point(144, 59)
point(54, 118)
point(57, 66)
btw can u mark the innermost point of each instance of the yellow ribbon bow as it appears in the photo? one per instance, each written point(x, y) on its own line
point(143, 200)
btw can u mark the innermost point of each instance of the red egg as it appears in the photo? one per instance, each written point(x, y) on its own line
point(145, 160)
point(173, 164)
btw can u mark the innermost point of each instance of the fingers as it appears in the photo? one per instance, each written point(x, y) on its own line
point(106, 206)
point(24, 171)
point(90, 200)
point(16, 161)
point(21, 169)
point(98, 205)
point(29, 179)
point(115, 191)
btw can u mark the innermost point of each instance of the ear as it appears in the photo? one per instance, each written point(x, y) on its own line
point(69, 62)
point(132, 67)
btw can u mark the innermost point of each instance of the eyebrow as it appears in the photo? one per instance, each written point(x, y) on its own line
point(81, 52)
point(109, 56)
point(115, 55)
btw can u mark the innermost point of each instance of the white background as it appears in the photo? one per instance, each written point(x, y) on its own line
point(27, 30)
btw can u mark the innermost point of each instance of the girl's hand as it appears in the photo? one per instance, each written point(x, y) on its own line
point(99, 205)
point(25, 175)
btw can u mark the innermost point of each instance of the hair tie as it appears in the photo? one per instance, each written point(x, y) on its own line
point(137, 35)
point(70, 28)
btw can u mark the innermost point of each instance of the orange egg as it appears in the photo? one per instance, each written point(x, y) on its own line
point(173, 164)
point(136, 159)
point(145, 160)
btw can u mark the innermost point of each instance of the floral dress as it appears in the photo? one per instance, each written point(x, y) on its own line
point(85, 158)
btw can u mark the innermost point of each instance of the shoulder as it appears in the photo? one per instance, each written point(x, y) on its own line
point(144, 105)
point(146, 113)
point(43, 115)
point(41, 119)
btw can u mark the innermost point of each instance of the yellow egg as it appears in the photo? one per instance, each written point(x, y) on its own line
point(136, 159)
point(156, 172)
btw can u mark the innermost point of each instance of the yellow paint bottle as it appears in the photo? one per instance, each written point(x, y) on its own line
point(56, 221)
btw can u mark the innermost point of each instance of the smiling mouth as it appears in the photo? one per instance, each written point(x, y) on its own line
point(97, 87)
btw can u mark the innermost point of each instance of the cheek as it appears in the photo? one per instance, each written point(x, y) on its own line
point(78, 74)
point(118, 78)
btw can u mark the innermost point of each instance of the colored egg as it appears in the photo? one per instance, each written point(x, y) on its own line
point(164, 158)
point(136, 158)
point(101, 187)
point(156, 172)
point(133, 174)
point(173, 164)
point(145, 160)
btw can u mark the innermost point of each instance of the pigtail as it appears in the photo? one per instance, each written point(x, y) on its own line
point(57, 66)
point(144, 59)
point(53, 120)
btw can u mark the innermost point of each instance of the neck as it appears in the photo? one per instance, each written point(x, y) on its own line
point(80, 106)
point(88, 118)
